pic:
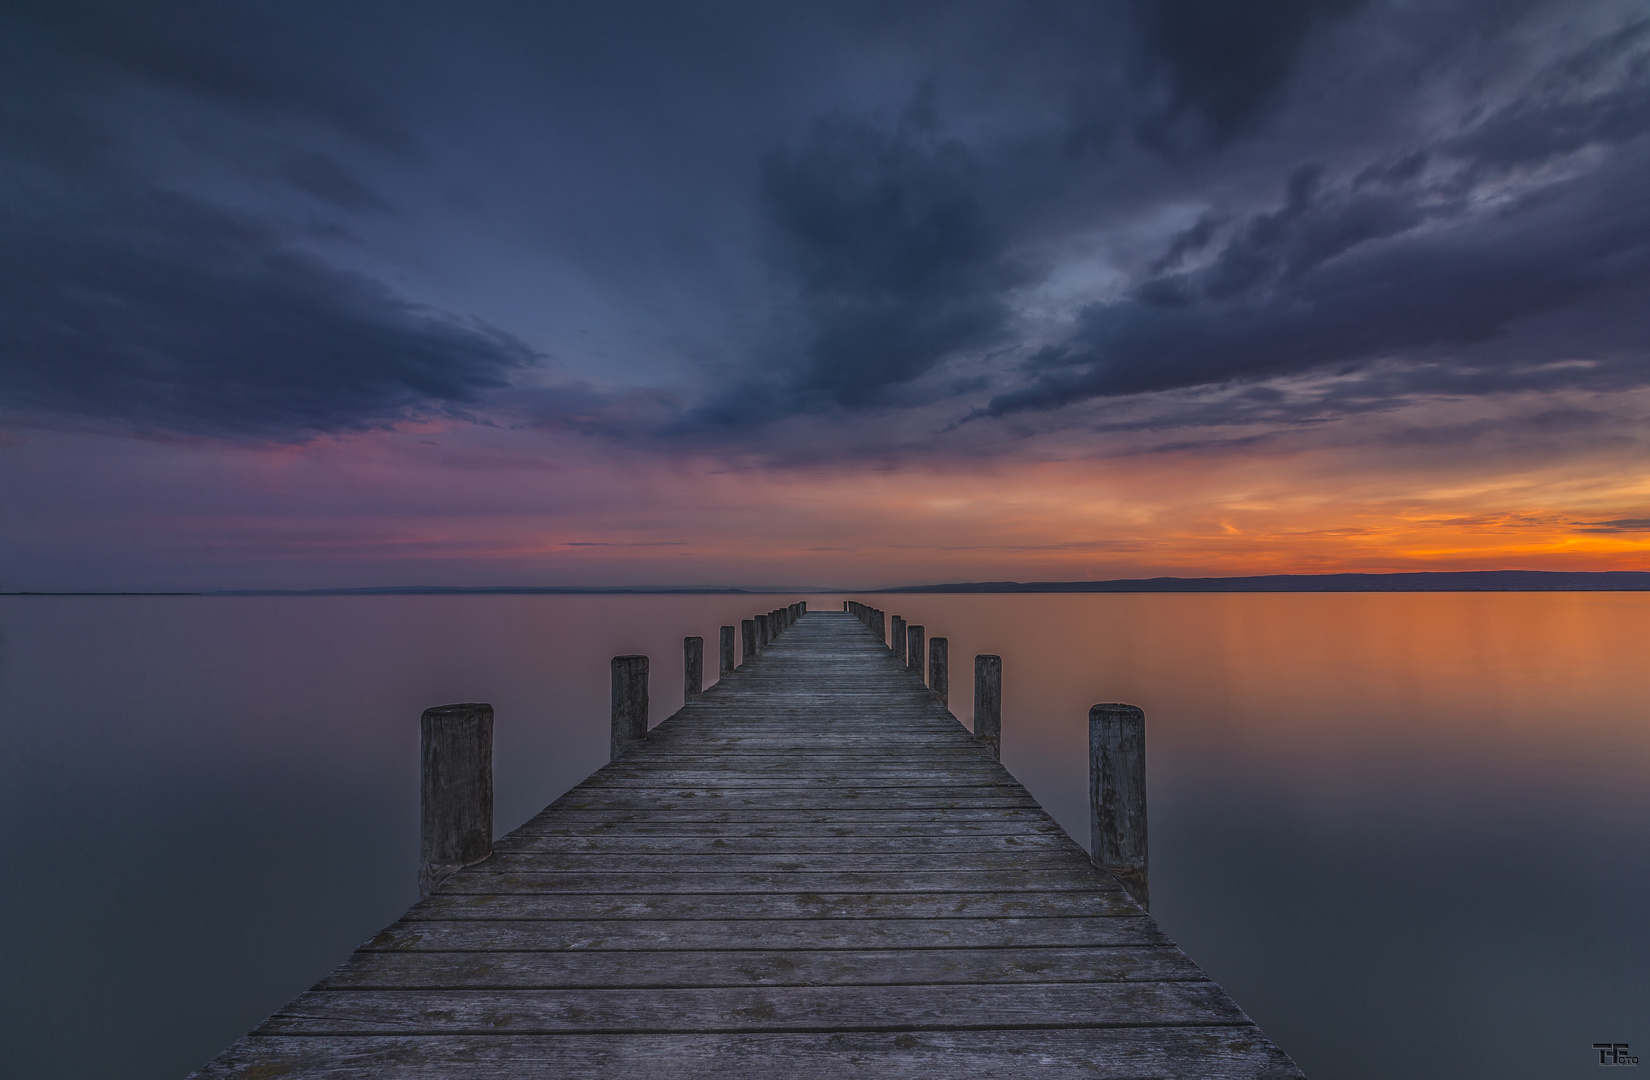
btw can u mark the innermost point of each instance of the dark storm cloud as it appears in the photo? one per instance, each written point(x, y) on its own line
point(1620, 525)
point(263, 63)
point(128, 303)
point(159, 312)
point(1460, 249)
point(896, 262)
point(324, 178)
point(1222, 63)
point(747, 207)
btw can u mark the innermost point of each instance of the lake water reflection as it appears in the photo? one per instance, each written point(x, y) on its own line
point(1408, 832)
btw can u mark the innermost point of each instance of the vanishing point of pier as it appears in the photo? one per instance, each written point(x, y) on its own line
point(812, 870)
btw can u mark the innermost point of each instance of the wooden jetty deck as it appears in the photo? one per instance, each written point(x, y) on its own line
point(812, 870)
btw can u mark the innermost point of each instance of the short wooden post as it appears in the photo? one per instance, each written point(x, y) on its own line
point(879, 625)
point(914, 651)
point(939, 669)
point(727, 651)
point(1117, 796)
point(693, 666)
point(764, 632)
point(748, 627)
point(988, 702)
point(897, 642)
point(629, 702)
point(455, 797)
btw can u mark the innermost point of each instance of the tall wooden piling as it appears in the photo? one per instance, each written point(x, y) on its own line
point(748, 629)
point(725, 657)
point(455, 744)
point(939, 669)
point(764, 632)
point(913, 649)
point(988, 702)
point(629, 702)
point(897, 641)
point(693, 666)
point(1117, 796)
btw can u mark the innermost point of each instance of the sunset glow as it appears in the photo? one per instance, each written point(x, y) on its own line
point(1130, 291)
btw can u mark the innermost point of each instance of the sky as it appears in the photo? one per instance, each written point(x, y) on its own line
point(310, 295)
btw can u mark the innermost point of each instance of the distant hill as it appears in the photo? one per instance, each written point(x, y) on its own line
point(1424, 581)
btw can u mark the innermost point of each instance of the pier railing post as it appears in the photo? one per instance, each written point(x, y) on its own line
point(1117, 796)
point(939, 669)
point(988, 702)
point(455, 803)
point(913, 649)
point(726, 657)
point(629, 702)
point(764, 632)
point(693, 666)
point(897, 641)
point(748, 628)
point(881, 625)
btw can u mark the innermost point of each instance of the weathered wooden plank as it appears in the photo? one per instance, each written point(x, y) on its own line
point(785, 801)
point(673, 843)
point(498, 970)
point(856, 815)
point(864, 904)
point(1238, 1052)
point(555, 827)
point(828, 933)
point(747, 1008)
point(476, 879)
point(903, 863)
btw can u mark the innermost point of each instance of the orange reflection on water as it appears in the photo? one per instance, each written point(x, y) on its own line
point(1336, 700)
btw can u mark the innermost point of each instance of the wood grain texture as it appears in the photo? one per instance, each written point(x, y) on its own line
point(812, 870)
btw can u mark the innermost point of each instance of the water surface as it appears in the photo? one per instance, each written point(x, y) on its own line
point(1408, 832)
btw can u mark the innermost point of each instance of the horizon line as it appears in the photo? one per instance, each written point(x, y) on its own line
point(1340, 581)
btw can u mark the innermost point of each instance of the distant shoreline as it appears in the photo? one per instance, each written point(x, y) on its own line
point(1417, 581)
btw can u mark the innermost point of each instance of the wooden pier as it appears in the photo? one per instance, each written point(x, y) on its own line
point(812, 870)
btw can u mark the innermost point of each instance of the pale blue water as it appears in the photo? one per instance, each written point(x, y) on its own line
point(1407, 832)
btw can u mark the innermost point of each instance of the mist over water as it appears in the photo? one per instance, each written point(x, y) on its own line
point(1408, 832)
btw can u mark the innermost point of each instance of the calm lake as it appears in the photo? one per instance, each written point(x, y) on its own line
point(1410, 833)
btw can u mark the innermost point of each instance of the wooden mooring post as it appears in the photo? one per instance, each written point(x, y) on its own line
point(939, 669)
point(629, 702)
point(748, 629)
point(455, 798)
point(726, 658)
point(1117, 796)
point(988, 702)
point(914, 650)
point(897, 642)
point(693, 666)
point(764, 632)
